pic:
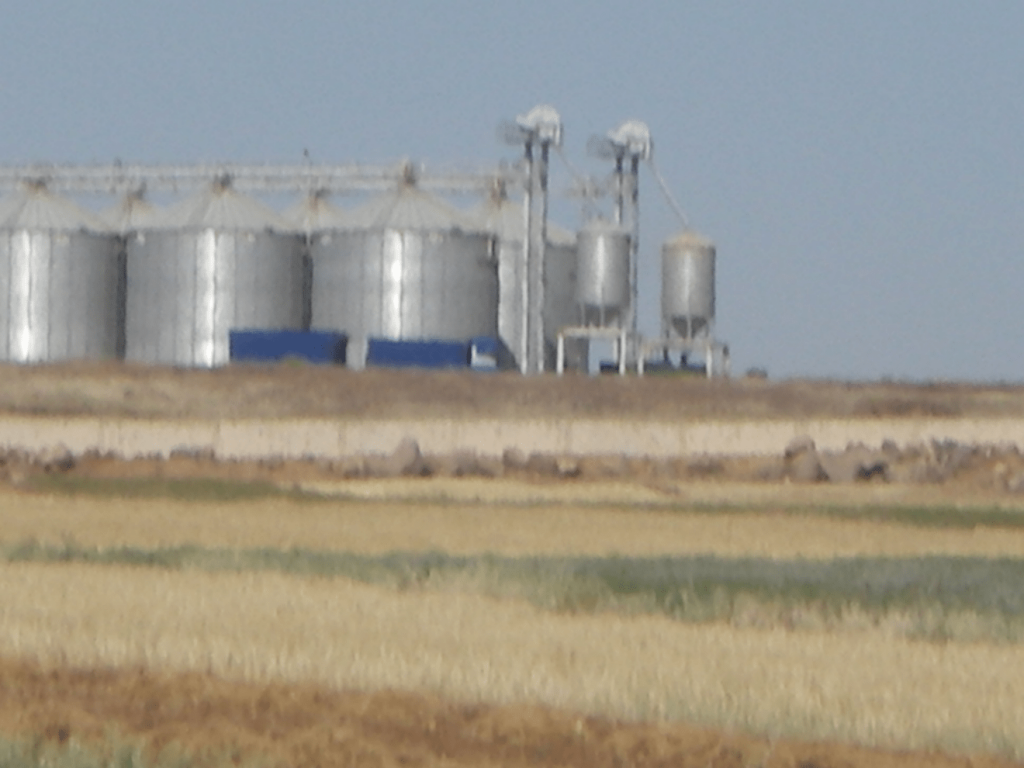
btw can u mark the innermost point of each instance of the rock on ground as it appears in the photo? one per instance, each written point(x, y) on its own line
point(805, 467)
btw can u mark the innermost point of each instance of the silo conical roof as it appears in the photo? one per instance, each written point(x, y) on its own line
point(409, 208)
point(218, 206)
point(599, 225)
point(316, 213)
point(131, 213)
point(34, 207)
point(689, 238)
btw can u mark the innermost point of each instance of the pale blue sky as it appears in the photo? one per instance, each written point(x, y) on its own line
point(859, 164)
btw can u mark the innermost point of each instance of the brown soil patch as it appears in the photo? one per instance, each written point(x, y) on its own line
point(120, 389)
point(305, 725)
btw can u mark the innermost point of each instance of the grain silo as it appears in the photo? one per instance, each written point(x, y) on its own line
point(313, 217)
point(215, 262)
point(60, 278)
point(602, 278)
point(506, 219)
point(688, 285)
point(405, 266)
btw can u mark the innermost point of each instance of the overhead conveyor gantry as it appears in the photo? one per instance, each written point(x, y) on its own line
point(116, 178)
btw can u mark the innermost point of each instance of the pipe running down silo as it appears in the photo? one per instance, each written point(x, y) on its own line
point(536, 131)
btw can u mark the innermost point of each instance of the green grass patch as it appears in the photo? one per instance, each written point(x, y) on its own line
point(41, 752)
point(223, 490)
point(924, 516)
point(935, 597)
point(193, 489)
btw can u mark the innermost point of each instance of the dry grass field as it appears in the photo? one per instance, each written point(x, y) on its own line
point(494, 521)
point(870, 688)
point(320, 669)
point(653, 493)
point(300, 725)
point(117, 389)
point(866, 685)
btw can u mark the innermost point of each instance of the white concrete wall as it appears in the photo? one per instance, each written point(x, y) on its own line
point(296, 438)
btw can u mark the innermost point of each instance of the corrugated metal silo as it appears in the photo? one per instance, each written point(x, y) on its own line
point(59, 272)
point(312, 217)
point(506, 220)
point(602, 287)
point(688, 284)
point(215, 262)
point(405, 266)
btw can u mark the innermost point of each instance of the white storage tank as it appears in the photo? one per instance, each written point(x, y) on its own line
point(215, 262)
point(688, 284)
point(405, 266)
point(60, 277)
point(602, 273)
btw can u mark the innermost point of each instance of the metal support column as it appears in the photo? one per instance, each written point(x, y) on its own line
point(633, 225)
point(535, 263)
point(523, 272)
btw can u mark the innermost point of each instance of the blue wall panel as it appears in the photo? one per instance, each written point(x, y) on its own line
point(417, 354)
point(254, 346)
